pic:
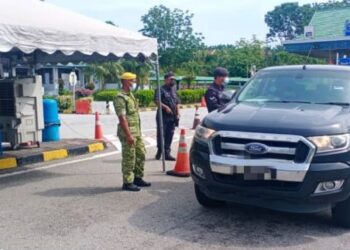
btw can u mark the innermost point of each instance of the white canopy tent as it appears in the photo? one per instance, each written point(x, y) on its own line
point(33, 31)
point(31, 25)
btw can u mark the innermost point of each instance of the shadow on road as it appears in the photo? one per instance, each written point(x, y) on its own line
point(31, 177)
point(177, 214)
point(80, 191)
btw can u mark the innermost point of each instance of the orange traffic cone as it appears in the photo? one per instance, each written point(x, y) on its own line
point(203, 102)
point(196, 120)
point(98, 127)
point(182, 166)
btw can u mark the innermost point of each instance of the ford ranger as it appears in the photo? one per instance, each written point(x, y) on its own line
point(282, 142)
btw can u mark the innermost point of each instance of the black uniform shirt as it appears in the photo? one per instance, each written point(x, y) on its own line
point(170, 99)
point(212, 96)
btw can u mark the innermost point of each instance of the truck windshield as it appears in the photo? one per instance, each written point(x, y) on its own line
point(299, 86)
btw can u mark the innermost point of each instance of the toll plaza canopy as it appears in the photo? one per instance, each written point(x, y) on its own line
point(327, 36)
point(56, 35)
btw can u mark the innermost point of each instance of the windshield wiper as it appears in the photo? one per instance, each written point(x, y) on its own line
point(291, 102)
point(334, 103)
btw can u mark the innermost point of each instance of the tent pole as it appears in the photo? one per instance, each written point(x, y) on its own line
point(160, 114)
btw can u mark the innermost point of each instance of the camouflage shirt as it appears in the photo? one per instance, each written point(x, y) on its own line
point(126, 105)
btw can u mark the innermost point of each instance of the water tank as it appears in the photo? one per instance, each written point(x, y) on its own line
point(51, 131)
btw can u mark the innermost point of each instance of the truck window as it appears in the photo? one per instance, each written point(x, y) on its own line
point(298, 86)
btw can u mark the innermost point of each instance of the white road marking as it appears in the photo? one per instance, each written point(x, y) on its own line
point(176, 137)
point(114, 140)
point(150, 140)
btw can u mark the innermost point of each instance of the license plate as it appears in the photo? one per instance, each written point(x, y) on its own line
point(257, 173)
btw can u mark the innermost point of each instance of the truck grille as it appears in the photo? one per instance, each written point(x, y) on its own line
point(239, 181)
point(276, 150)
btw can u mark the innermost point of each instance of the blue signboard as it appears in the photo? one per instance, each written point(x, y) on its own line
point(347, 28)
point(344, 61)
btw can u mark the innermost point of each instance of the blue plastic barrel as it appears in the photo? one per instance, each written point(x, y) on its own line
point(51, 120)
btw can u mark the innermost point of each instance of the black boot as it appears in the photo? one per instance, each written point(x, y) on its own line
point(168, 156)
point(158, 155)
point(130, 187)
point(141, 183)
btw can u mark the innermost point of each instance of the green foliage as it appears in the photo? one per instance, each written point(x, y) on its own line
point(177, 40)
point(52, 97)
point(90, 86)
point(103, 72)
point(105, 95)
point(145, 97)
point(65, 103)
point(287, 20)
point(190, 95)
point(141, 69)
point(239, 59)
point(60, 87)
point(278, 56)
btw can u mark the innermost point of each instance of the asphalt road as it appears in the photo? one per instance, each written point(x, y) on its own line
point(81, 205)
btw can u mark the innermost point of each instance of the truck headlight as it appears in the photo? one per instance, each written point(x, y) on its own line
point(203, 134)
point(330, 143)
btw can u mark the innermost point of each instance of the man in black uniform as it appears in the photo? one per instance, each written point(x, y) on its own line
point(215, 90)
point(171, 115)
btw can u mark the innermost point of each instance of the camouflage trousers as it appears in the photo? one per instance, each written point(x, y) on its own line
point(133, 159)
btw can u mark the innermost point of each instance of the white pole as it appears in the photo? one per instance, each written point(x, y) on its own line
point(337, 59)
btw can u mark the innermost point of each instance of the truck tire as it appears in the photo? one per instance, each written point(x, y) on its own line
point(341, 213)
point(205, 201)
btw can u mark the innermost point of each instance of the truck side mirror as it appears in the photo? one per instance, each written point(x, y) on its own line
point(227, 96)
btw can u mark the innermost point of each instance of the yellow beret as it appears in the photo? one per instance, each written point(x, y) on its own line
point(128, 76)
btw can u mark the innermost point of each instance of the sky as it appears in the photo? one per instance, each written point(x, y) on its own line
point(220, 21)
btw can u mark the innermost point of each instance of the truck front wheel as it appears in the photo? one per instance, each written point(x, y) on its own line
point(204, 200)
point(341, 213)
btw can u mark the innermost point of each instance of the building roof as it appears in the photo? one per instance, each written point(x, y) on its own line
point(330, 23)
point(328, 38)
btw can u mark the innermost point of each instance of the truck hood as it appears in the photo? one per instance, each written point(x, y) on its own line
point(281, 118)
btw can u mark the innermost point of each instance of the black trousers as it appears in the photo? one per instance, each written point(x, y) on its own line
point(168, 133)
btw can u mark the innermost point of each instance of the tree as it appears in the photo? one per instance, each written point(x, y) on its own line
point(287, 20)
point(278, 56)
point(141, 69)
point(177, 40)
point(104, 72)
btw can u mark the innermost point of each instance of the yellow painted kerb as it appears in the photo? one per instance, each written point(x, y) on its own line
point(96, 147)
point(55, 154)
point(8, 163)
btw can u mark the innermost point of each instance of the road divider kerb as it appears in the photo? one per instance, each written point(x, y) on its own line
point(8, 163)
point(11, 163)
point(96, 147)
point(55, 154)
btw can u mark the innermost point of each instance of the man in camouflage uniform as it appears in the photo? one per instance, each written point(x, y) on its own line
point(129, 133)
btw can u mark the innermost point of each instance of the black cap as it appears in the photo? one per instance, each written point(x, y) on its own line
point(169, 74)
point(220, 72)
